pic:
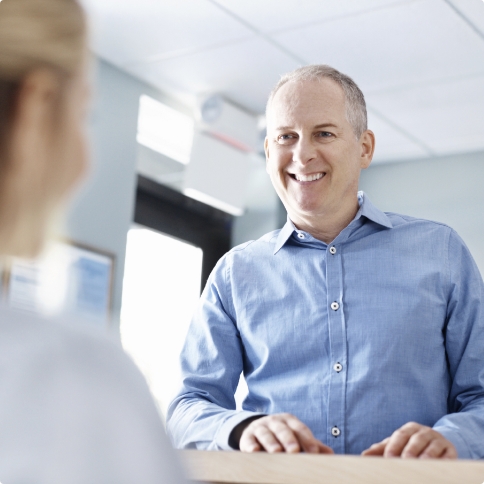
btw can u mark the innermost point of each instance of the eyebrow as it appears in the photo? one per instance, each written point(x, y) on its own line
point(318, 126)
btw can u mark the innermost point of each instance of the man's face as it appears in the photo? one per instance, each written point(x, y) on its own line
point(313, 156)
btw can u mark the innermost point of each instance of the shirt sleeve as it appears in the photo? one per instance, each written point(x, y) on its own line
point(203, 413)
point(464, 340)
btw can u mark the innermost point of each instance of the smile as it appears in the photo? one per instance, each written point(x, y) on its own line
point(307, 178)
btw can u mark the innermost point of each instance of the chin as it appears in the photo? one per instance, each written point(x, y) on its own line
point(308, 209)
point(25, 249)
point(25, 240)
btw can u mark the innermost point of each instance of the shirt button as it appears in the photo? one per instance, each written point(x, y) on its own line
point(334, 306)
point(337, 367)
point(332, 250)
point(335, 431)
point(301, 236)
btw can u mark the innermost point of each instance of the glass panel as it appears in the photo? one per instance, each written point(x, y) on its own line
point(160, 291)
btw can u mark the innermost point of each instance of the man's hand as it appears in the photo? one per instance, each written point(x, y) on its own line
point(413, 440)
point(280, 433)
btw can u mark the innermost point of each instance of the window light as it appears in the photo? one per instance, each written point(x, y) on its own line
point(165, 130)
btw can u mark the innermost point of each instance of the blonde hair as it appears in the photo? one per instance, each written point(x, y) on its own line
point(33, 34)
point(354, 98)
point(40, 33)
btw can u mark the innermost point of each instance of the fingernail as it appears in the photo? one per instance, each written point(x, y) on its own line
point(314, 449)
point(292, 448)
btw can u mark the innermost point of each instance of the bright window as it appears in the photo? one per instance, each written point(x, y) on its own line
point(160, 291)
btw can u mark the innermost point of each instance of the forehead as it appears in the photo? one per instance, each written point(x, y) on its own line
point(307, 101)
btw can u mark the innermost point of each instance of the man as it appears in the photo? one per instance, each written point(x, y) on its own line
point(357, 331)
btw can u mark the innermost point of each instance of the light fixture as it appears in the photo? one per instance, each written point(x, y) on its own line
point(217, 174)
point(165, 130)
point(214, 202)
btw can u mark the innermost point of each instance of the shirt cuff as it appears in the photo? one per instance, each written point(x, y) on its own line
point(223, 434)
point(459, 443)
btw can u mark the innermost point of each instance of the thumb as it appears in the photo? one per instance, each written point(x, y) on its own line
point(376, 449)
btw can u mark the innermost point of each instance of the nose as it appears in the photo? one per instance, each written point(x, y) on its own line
point(304, 151)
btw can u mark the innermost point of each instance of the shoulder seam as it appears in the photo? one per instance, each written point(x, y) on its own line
point(242, 246)
point(409, 218)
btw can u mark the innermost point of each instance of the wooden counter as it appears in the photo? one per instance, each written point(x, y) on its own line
point(263, 468)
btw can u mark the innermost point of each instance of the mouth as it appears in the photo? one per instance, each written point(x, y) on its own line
point(307, 178)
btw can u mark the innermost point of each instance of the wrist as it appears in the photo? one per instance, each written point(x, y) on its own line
point(237, 431)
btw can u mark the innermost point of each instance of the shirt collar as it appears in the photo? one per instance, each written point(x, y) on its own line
point(367, 209)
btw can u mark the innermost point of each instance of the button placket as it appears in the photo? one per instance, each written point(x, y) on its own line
point(338, 344)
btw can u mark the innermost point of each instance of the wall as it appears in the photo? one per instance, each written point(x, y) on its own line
point(102, 212)
point(262, 210)
point(447, 189)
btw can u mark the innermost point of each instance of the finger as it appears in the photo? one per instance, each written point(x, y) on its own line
point(376, 449)
point(324, 449)
point(450, 453)
point(285, 435)
point(417, 443)
point(248, 442)
point(305, 437)
point(399, 439)
point(434, 450)
point(267, 440)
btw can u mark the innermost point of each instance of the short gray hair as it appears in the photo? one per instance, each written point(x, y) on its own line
point(354, 99)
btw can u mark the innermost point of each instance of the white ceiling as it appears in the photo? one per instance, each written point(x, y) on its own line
point(420, 63)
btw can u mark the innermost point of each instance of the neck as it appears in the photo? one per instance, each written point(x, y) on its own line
point(326, 225)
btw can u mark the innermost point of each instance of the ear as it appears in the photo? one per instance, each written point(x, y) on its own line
point(367, 148)
point(266, 150)
point(32, 121)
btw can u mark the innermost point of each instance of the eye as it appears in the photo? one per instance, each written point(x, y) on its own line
point(324, 134)
point(286, 138)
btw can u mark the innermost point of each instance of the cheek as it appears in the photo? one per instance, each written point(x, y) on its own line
point(279, 161)
point(82, 158)
point(73, 159)
point(276, 173)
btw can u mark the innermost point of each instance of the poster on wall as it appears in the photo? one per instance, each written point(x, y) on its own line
point(69, 280)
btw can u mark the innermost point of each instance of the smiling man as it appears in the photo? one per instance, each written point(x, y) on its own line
point(357, 331)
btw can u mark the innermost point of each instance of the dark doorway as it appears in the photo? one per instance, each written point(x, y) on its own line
point(169, 211)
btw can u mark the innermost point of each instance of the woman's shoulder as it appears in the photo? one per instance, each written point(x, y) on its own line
point(74, 394)
point(24, 333)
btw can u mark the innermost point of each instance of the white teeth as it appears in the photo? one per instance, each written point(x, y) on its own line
point(306, 178)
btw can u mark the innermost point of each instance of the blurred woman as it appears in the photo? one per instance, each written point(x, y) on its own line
point(73, 408)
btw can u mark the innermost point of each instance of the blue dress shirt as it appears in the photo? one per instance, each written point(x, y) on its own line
point(383, 326)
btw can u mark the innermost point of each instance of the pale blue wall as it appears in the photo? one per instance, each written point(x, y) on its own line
point(102, 212)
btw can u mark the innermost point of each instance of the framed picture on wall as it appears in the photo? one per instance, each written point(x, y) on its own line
point(69, 279)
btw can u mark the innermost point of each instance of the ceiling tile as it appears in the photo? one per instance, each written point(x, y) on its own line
point(275, 15)
point(244, 72)
point(449, 116)
point(125, 31)
point(413, 43)
point(391, 144)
